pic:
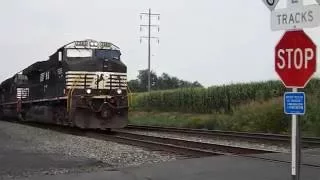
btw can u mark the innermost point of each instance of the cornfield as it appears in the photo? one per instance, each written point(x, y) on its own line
point(213, 99)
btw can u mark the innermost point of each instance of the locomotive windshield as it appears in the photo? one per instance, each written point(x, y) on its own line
point(79, 53)
point(98, 53)
point(107, 54)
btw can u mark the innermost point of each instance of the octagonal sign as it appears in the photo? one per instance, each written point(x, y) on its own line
point(295, 59)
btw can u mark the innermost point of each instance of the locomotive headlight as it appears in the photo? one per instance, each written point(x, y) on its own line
point(88, 91)
point(119, 91)
point(93, 44)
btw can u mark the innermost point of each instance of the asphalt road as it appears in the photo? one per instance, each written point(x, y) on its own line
point(212, 168)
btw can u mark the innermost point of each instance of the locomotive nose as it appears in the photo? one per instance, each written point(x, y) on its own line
point(105, 113)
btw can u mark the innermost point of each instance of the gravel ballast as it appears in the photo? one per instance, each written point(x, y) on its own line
point(213, 140)
point(99, 153)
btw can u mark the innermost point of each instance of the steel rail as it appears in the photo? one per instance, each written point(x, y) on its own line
point(193, 147)
point(177, 146)
point(308, 141)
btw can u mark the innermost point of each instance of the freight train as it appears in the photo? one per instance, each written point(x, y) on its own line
point(83, 84)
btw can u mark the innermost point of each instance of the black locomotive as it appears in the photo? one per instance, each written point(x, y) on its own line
point(83, 84)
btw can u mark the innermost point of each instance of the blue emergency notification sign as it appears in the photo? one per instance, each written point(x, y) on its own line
point(294, 103)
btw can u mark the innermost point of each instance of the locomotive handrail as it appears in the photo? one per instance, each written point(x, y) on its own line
point(130, 95)
point(70, 92)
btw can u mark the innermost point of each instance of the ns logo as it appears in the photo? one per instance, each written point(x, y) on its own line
point(99, 79)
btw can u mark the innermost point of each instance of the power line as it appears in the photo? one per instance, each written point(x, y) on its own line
point(149, 37)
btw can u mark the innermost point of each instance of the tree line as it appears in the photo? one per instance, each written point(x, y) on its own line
point(163, 82)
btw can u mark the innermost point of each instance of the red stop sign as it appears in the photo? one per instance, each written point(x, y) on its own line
point(295, 59)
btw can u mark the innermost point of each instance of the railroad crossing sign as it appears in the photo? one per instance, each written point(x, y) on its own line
point(295, 59)
point(295, 18)
point(271, 4)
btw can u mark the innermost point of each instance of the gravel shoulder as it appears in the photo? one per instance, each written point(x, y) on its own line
point(27, 151)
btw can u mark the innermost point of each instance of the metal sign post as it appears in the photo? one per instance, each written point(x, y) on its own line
point(295, 62)
point(295, 104)
point(295, 146)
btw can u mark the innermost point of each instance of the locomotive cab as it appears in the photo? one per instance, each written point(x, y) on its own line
point(21, 80)
point(95, 58)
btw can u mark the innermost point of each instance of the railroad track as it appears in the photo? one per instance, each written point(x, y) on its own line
point(179, 146)
point(190, 148)
point(257, 137)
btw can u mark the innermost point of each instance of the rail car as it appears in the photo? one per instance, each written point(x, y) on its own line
point(83, 84)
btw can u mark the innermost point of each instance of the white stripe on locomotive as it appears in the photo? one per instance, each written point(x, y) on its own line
point(84, 79)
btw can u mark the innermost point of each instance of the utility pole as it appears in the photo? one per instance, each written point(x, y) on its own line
point(149, 37)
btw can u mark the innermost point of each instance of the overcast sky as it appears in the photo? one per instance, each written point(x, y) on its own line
point(214, 42)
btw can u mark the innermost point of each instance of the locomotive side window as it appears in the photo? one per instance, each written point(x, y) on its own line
point(60, 56)
point(79, 53)
point(20, 79)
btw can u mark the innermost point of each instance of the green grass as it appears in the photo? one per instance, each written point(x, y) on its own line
point(217, 99)
point(266, 116)
point(173, 119)
point(250, 107)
